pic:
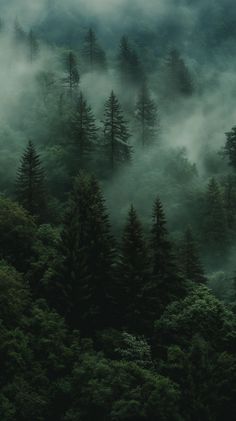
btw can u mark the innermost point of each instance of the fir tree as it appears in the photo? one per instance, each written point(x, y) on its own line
point(215, 224)
point(133, 274)
point(93, 55)
point(230, 147)
point(30, 183)
point(33, 46)
point(19, 33)
point(116, 134)
point(1, 25)
point(190, 261)
point(83, 132)
point(178, 76)
point(129, 66)
point(162, 257)
point(87, 257)
point(147, 117)
point(166, 283)
point(72, 77)
point(20, 40)
point(229, 198)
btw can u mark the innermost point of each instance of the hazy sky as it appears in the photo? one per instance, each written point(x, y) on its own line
point(31, 11)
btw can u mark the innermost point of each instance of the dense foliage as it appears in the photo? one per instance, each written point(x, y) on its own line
point(112, 300)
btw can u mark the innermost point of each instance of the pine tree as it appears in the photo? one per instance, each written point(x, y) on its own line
point(20, 39)
point(178, 76)
point(1, 25)
point(229, 198)
point(166, 283)
point(162, 257)
point(190, 261)
point(72, 77)
point(230, 147)
point(83, 132)
point(33, 46)
point(93, 55)
point(19, 33)
point(88, 248)
point(30, 183)
point(133, 274)
point(116, 134)
point(147, 117)
point(234, 287)
point(129, 66)
point(215, 231)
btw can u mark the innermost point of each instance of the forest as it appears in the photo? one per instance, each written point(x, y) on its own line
point(117, 210)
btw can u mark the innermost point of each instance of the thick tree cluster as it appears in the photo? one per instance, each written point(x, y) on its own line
point(90, 328)
point(107, 316)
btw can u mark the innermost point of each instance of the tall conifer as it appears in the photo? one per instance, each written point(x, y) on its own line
point(30, 183)
point(87, 256)
point(116, 134)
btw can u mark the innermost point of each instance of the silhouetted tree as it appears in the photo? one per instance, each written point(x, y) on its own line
point(87, 248)
point(129, 66)
point(116, 134)
point(215, 224)
point(229, 198)
point(166, 283)
point(72, 77)
point(147, 117)
point(17, 234)
point(177, 75)
point(133, 273)
point(33, 46)
point(93, 55)
point(83, 132)
point(19, 33)
point(230, 147)
point(190, 261)
point(30, 183)
point(1, 25)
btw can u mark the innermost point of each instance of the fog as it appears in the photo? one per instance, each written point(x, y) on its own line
point(187, 153)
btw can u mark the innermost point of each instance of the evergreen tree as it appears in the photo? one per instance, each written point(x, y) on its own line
point(93, 55)
point(146, 116)
point(19, 33)
point(20, 40)
point(190, 261)
point(129, 66)
point(229, 198)
point(1, 25)
point(116, 134)
point(87, 248)
point(72, 77)
point(230, 147)
point(166, 283)
point(178, 76)
point(215, 223)
point(161, 247)
point(30, 183)
point(33, 46)
point(17, 235)
point(83, 132)
point(133, 274)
